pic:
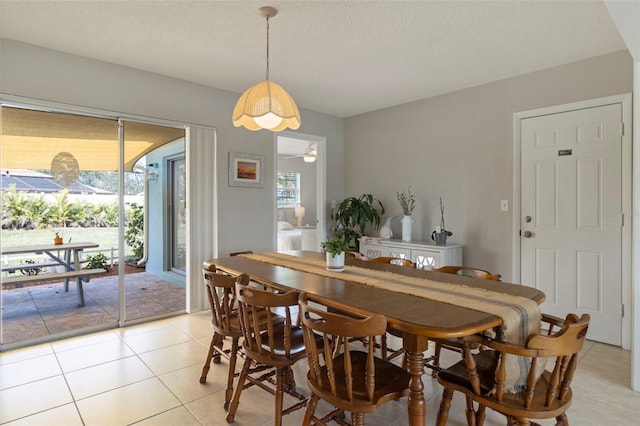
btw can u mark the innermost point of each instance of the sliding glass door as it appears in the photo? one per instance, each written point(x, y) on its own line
point(99, 184)
point(154, 223)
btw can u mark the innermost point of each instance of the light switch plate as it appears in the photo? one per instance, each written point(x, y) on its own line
point(504, 205)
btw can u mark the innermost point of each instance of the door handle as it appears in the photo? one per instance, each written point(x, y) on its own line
point(527, 234)
point(527, 219)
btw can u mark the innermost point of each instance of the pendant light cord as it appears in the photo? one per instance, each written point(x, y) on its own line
point(266, 75)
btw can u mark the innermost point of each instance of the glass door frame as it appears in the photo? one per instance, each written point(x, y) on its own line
point(7, 100)
point(172, 231)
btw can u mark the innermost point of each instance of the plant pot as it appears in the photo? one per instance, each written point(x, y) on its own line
point(440, 238)
point(335, 263)
point(57, 241)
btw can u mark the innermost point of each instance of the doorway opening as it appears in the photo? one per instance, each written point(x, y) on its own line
point(300, 191)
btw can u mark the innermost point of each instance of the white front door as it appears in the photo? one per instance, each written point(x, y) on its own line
point(571, 208)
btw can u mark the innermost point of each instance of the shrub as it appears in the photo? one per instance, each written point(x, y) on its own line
point(97, 261)
point(134, 235)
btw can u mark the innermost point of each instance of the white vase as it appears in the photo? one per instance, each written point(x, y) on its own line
point(406, 227)
point(335, 263)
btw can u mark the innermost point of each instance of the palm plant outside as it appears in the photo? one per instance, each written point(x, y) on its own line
point(29, 219)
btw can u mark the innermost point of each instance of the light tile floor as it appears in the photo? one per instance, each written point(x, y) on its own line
point(148, 375)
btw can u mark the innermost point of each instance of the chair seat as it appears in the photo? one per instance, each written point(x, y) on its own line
point(391, 382)
point(296, 341)
point(454, 343)
point(233, 328)
point(487, 362)
point(232, 323)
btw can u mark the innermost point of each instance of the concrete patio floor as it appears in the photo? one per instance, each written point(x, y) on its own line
point(42, 310)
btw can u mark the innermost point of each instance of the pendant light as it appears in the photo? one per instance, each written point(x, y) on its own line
point(266, 105)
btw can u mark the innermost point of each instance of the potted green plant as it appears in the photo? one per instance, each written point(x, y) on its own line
point(440, 234)
point(335, 249)
point(353, 214)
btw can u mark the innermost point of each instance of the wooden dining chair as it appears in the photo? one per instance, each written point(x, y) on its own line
point(393, 261)
point(544, 394)
point(433, 362)
point(237, 253)
point(353, 255)
point(220, 289)
point(468, 271)
point(271, 338)
point(349, 379)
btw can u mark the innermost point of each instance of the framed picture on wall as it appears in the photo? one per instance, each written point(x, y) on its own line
point(246, 170)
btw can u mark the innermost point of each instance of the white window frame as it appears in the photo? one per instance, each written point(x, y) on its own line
point(296, 188)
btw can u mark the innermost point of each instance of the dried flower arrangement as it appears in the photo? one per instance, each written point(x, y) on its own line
point(407, 201)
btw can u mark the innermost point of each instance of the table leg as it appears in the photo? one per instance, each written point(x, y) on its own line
point(80, 290)
point(67, 260)
point(416, 406)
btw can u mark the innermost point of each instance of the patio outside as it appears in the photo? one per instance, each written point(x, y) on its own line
point(37, 311)
point(42, 308)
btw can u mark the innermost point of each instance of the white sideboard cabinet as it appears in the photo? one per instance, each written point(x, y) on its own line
point(425, 255)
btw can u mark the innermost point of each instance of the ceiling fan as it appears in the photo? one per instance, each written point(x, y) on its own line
point(309, 156)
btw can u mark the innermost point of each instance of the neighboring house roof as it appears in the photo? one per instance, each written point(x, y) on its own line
point(32, 181)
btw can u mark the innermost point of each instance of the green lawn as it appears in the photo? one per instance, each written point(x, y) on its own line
point(105, 237)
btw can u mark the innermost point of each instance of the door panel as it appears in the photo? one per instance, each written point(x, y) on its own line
point(572, 189)
point(546, 273)
point(547, 195)
point(589, 194)
point(590, 286)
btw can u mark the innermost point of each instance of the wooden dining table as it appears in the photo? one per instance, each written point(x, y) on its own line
point(416, 317)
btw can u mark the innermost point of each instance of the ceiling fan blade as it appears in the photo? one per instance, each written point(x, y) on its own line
point(310, 152)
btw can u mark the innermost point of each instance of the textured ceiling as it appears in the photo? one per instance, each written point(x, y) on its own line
point(337, 57)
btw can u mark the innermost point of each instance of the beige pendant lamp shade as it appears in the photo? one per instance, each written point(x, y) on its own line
point(266, 105)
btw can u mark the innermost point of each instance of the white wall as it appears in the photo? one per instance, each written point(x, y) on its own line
point(34, 72)
point(626, 16)
point(458, 146)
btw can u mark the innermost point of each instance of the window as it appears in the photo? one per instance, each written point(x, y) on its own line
point(288, 188)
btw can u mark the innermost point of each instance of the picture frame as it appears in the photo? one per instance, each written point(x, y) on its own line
point(246, 170)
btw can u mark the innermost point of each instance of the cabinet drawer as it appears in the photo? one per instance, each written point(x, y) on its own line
point(426, 259)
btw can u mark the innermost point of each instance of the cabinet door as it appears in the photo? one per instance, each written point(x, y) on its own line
point(426, 259)
point(399, 252)
point(373, 250)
